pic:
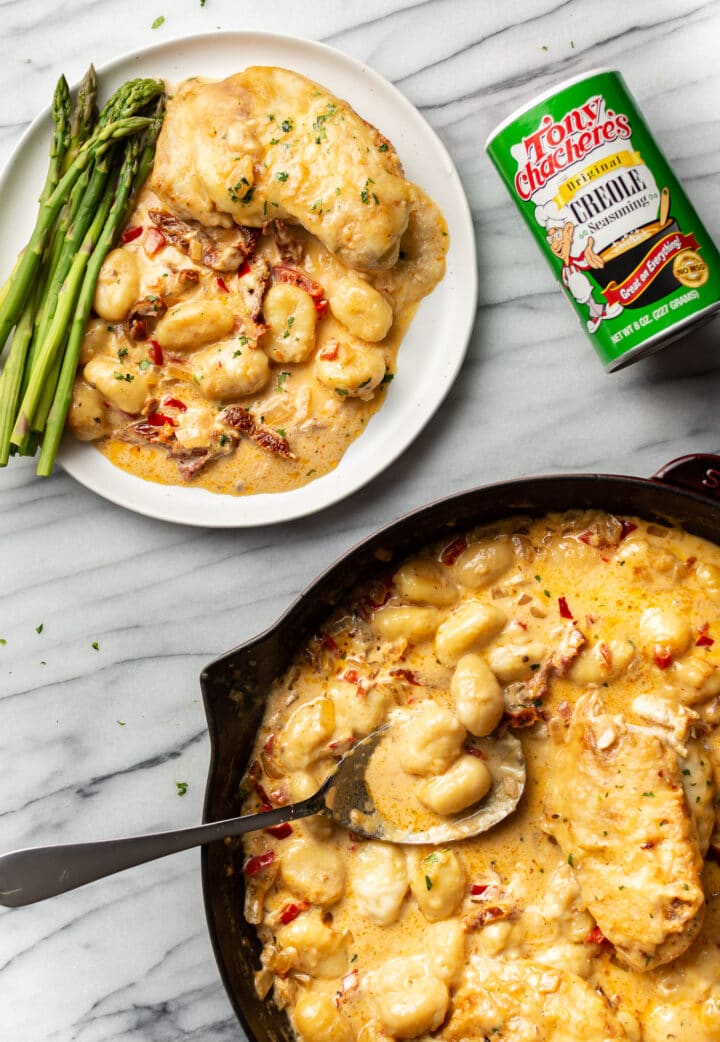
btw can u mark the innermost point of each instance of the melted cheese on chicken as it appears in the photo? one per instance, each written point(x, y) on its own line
point(591, 913)
point(268, 143)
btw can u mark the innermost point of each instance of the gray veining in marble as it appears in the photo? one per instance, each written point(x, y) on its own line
point(92, 742)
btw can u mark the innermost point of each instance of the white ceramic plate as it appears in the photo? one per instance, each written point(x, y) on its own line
point(434, 346)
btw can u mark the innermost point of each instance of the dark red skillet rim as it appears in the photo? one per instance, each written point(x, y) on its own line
point(685, 491)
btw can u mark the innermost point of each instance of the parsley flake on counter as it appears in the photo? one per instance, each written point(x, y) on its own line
point(160, 20)
point(40, 628)
point(182, 787)
point(121, 723)
point(95, 645)
point(3, 642)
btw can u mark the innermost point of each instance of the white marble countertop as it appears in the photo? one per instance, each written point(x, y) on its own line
point(94, 741)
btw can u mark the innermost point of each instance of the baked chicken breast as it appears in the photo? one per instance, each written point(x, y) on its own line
point(617, 807)
point(268, 143)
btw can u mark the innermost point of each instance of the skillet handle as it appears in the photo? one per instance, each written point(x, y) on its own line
point(698, 471)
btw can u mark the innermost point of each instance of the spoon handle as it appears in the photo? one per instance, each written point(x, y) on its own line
point(34, 873)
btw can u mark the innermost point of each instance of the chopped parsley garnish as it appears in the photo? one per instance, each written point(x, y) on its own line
point(319, 124)
point(366, 195)
point(281, 431)
point(145, 364)
point(123, 352)
point(341, 391)
point(235, 190)
point(571, 860)
point(236, 354)
point(388, 378)
point(127, 377)
point(383, 147)
point(428, 883)
point(282, 377)
point(281, 175)
point(286, 126)
point(224, 440)
point(182, 787)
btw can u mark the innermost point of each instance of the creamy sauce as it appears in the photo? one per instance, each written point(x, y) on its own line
point(498, 936)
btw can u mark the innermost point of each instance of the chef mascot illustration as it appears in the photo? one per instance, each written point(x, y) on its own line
point(559, 235)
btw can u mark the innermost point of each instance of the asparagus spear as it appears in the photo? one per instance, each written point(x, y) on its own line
point(84, 115)
point(126, 101)
point(74, 237)
point(58, 152)
point(12, 377)
point(13, 371)
point(132, 174)
point(61, 136)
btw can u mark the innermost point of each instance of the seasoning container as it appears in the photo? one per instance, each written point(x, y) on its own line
point(613, 221)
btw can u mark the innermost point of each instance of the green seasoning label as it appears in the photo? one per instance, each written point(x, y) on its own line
point(610, 216)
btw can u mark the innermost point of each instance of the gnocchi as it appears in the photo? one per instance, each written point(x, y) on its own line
point(424, 582)
point(460, 786)
point(666, 628)
point(230, 370)
point(606, 660)
point(483, 562)
point(317, 1019)
point(118, 385)
point(438, 885)
point(351, 369)
point(409, 999)
point(305, 736)
point(312, 870)
point(445, 947)
point(193, 324)
point(87, 413)
point(468, 628)
point(379, 882)
point(364, 311)
point(406, 622)
point(431, 739)
point(118, 285)
point(317, 948)
point(291, 319)
point(478, 697)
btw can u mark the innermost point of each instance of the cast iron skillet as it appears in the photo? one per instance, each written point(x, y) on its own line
point(234, 686)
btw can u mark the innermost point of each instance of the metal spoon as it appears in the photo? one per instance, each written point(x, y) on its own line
point(35, 873)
